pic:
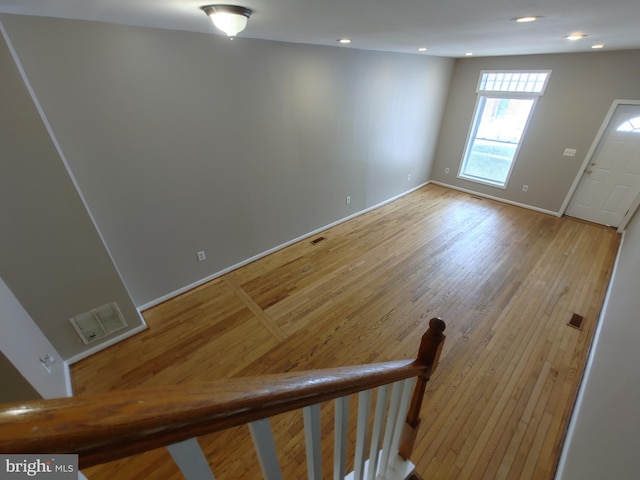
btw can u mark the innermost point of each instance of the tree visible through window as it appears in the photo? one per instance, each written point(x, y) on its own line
point(505, 103)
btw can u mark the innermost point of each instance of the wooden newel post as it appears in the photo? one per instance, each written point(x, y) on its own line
point(428, 355)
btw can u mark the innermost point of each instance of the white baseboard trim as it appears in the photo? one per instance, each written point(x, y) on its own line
point(213, 276)
point(108, 343)
point(67, 379)
point(498, 199)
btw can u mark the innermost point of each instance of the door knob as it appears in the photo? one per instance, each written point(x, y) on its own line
point(588, 172)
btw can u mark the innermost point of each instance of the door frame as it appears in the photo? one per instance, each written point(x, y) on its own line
point(587, 160)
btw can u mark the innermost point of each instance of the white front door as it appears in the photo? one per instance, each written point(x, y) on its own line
point(611, 182)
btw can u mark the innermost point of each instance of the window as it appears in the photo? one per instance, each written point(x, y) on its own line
point(632, 125)
point(503, 109)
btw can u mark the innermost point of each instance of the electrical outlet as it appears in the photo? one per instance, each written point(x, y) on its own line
point(569, 152)
point(348, 200)
point(525, 188)
point(201, 256)
point(446, 170)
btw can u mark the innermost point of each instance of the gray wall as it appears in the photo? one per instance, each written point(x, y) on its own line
point(183, 142)
point(569, 114)
point(51, 256)
point(13, 386)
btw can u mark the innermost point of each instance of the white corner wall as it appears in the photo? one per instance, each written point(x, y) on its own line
point(602, 441)
point(23, 343)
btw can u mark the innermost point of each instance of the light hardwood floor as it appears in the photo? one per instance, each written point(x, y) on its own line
point(505, 279)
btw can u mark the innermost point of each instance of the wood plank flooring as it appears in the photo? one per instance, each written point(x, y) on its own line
point(505, 279)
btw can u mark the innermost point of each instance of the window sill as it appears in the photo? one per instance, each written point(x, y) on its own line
point(483, 181)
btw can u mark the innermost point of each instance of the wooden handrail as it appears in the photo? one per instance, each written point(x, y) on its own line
point(108, 426)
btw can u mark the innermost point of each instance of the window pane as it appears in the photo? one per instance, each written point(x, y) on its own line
point(522, 82)
point(498, 129)
point(504, 119)
point(632, 125)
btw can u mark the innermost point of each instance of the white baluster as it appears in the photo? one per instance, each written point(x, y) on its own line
point(313, 441)
point(407, 389)
point(191, 460)
point(396, 394)
point(364, 408)
point(340, 437)
point(265, 449)
point(382, 401)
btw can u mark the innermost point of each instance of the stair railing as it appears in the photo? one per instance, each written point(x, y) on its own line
point(106, 427)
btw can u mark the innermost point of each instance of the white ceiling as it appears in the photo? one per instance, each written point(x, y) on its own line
point(446, 27)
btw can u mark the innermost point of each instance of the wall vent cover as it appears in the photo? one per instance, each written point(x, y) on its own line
point(98, 323)
point(576, 321)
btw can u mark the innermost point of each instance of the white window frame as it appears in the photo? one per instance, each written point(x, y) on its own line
point(483, 94)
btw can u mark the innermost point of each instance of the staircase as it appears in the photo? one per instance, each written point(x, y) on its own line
point(106, 427)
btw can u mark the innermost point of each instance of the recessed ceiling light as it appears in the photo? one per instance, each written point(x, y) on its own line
point(597, 45)
point(422, 49)
point(344, 40)
point(468, 54)
point(526, 19)
point(575, 36)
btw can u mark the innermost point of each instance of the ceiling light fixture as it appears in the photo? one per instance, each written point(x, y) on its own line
point(575, 36)
point(344, 40)
point(598, 45)
point(469, 54)
point(231, 19)
point(422, 49)
point(526, 19)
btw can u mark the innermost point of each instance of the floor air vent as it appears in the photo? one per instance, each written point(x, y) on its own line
point(315, 241)
point(576, 321)
point(98, 323)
